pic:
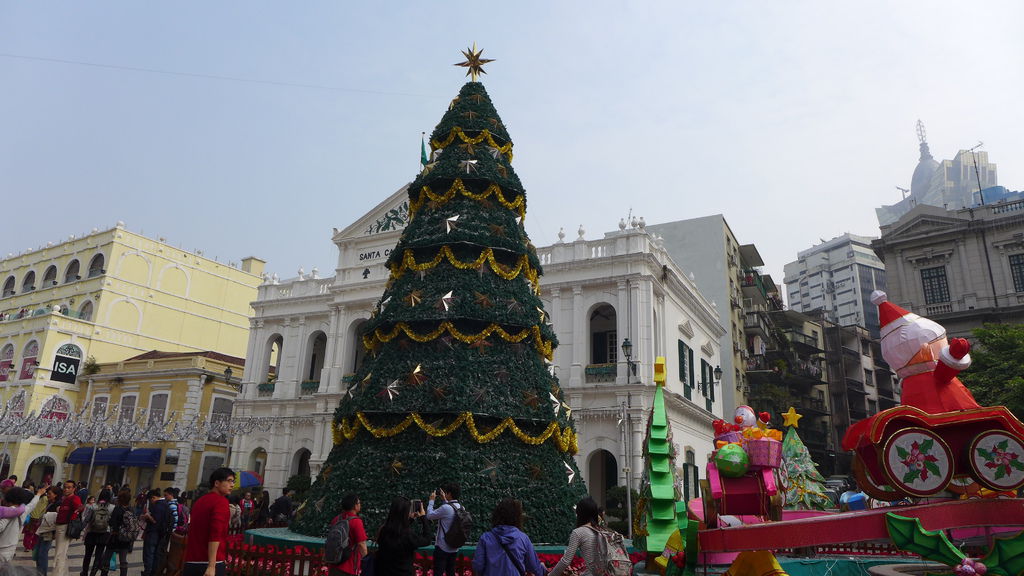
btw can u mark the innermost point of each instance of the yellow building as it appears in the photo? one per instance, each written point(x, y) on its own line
point(159, 386)
point(107, 296)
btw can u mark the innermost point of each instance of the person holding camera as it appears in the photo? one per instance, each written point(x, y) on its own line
point(444, 555)
point(405, 530)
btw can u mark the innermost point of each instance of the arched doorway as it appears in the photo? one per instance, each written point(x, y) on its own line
point(603, 472)
point(258, 462)
point(300, 462)
point(41, 470)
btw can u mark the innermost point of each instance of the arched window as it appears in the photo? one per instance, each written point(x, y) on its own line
point(71, 274)
point(604, 474)
point(275, 348)
point(315, 360)
point(258, 461)
point(8, 287)
point(29, 283)
point(300, 462)
point(50, 276)
point(6, 360)
point(29, 360)
point(604, 344)
point(56, 408)
point(96, 266)
point(85, 312)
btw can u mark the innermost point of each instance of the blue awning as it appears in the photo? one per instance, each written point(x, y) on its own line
point(80, 456)
point(111, 456)
point(142, 458)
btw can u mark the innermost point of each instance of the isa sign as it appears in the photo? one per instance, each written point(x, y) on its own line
point(66, 364)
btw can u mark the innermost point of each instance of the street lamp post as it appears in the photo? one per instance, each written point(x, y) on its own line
point(627, 434)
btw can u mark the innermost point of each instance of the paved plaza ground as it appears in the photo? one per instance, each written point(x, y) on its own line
point(77, 550)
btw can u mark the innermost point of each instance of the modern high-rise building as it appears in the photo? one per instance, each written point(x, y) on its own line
point(837, 278)
point(950, 184)
point(69, 307)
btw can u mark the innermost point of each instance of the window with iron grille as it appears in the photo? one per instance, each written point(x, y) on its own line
point(1017, 270)
point(933, 280)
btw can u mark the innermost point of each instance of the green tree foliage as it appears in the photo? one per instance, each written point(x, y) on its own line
point(996, 375)
point(456, 387)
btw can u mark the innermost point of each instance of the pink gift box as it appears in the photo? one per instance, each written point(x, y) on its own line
point(764, 453)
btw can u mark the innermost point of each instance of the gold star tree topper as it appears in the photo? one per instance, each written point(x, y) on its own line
point(791, 418)
point(474, 62)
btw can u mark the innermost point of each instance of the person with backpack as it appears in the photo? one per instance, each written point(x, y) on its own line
point(281, 509)
point(124, 529)
point(450, 535)
point(248, 506)
point(505, 550)
point(602, 549)
point(158, 525)
point(206, 545)
point(405, 529)
point(97, 529)
point(345, 545)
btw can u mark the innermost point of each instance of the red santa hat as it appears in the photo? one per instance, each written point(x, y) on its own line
point(890, 316)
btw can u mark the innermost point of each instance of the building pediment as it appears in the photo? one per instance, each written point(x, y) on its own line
point(924, 225)
point(390, 215)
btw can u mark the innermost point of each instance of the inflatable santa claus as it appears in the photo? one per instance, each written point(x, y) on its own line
point(925, 362)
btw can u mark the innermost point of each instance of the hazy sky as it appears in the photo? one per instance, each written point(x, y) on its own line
point(253, 128)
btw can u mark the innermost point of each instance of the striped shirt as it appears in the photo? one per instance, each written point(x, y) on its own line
point(583, 539)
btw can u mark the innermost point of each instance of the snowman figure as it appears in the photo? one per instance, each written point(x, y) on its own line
point(744, 416)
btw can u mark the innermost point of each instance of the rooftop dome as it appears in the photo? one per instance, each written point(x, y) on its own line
point(926, 166)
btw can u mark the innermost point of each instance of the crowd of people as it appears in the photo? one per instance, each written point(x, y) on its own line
point(113, 522)
point(503, 550)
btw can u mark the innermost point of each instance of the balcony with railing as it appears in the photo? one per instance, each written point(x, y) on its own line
point(597, 373)
point(857, 414)
point(813, 405)
point(854, 385)
point(803, 343)
point(752, 284)
point(309, 387)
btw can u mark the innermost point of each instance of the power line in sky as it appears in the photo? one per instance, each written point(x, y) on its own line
point(206, 76)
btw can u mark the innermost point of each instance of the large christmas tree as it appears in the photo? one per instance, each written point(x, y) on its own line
point(456, 386)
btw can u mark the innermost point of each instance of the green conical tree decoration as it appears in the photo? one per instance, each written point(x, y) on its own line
point(805, 485)
point(456, 386)
point(658, 488)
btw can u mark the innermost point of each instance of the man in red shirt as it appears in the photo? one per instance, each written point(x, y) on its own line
point(70, 508)
point(350, 507)
point(206, 547)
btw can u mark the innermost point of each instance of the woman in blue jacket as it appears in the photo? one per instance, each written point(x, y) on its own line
point(505, 550)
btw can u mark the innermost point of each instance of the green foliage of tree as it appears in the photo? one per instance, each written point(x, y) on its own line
point(996, 375)
point(615, 508)
point(460, 329)
point(300, 483)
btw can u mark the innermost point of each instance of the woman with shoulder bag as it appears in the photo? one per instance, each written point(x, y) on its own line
point(583, 538)
point(46, 530)
point(505, 550)
point(17, 503)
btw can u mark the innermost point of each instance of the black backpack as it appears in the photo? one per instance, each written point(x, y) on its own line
point(462, 523)
point(336, 547)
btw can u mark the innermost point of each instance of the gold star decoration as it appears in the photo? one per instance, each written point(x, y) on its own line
point(391, 390)
point(468, 147)
point(502, 170)
point(454, 102)
point(482, 300)
point(569, 472)
point(469, 165)
point(414, 297)
point(491, 470)
point(478, 394)
point(535, 471)
point(450, 223)
point(440, 392)
point(482, 345)
point(470, 115)
point(497, 230)
point(474, 63)
point(396, 467)
point(791, 418)
point(417, 377)
point(478, 98)
point(531, 399)
point(495, 152)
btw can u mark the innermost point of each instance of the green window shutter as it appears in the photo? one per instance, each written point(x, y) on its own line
point(693, 381)
point(686, 482)
point(711, 377)
point(682, 369)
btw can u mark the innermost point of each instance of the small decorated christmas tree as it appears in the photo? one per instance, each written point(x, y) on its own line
point(805, 485)
point(456, 385)
point(657, 507)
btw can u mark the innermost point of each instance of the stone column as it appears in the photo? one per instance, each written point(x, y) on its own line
point(579, 336)
point(623, 330)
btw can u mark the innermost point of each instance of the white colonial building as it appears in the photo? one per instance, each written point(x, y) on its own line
point(304, 345)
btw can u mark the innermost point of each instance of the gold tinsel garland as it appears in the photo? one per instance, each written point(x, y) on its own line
point(458, 187)
point(485, 134)
point(564, 438)
point(542, 346)
point(522, 265)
